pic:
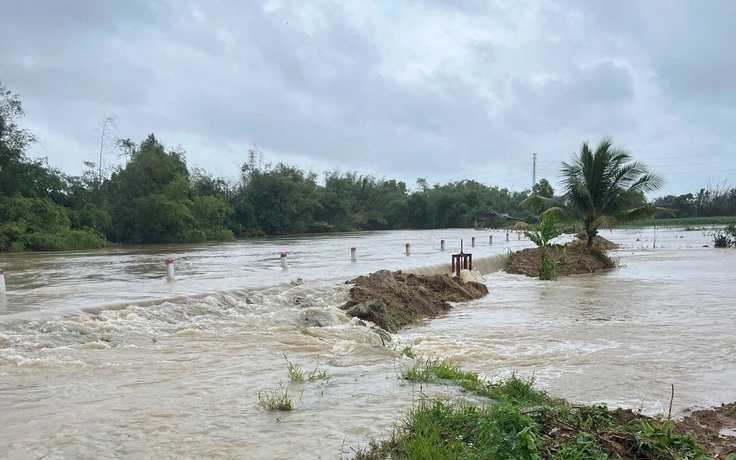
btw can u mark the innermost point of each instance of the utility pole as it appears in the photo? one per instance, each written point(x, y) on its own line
point(534, 169)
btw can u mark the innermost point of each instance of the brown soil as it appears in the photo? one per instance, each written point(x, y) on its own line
point(707, 425)
point(573, 258)
point(394, 299)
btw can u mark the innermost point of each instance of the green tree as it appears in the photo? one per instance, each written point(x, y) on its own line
point(282, 199)
point(39, 224)
point(338, 203)
point(13, 142)
point(34, 197)
point(603, 188)
point(13, 139)
point(684, 205)
point(543, 188)
point(152, 199)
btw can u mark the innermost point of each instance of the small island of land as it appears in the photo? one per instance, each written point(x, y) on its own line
point(573, 258)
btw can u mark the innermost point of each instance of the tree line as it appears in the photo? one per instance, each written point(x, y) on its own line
point(710, 201)
point(152, 196)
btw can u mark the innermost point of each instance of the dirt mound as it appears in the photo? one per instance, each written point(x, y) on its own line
point(571, 259)
point(621, 440)
point(714, 428)
point(599, 242)
point(394, 299)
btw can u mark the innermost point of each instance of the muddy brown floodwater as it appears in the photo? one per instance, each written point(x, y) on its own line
point(101, 358)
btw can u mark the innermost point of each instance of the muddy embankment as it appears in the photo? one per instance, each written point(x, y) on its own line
point(392, 300)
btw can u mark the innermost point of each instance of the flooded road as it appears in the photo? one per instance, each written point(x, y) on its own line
point(101, 358)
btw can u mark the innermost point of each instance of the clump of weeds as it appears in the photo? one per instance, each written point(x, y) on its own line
point(276, 399)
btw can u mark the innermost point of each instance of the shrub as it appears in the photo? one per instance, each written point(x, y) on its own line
point(725, 238)
point(220, 234)
point(546, 233)
point(192, 236)
point(12, 236)
point(40, 241)
point(85, 239)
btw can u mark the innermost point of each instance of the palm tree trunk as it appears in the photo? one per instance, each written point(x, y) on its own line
point(591, 237)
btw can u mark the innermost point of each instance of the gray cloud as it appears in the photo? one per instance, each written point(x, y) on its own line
point(593, 98)
point(435, 89)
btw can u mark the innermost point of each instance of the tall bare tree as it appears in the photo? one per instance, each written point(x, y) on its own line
point(105, 133)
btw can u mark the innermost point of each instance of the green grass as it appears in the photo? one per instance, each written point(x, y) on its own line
point(436, 370)
point(277, 399)
point(524, 423)
point(437, 430)
point(409, 352)
point(297, 374)
point(514, 389)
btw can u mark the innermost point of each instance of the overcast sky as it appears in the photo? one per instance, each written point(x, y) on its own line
point(438, 89)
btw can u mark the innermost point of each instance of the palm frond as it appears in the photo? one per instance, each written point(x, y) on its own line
point(605, 187)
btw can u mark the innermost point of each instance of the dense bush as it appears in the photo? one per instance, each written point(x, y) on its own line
point(725, 238)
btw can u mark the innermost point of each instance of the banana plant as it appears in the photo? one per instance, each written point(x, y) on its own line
point(546, 233)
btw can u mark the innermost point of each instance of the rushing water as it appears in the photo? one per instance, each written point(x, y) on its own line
point(100, 357)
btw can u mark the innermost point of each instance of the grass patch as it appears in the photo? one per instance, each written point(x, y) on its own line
point(409, 352)
point(279, 399)
point(437, 370)
point(515, 389)
point(436, 430)
point(276, 399)
point(524, 423)
point(297, 374)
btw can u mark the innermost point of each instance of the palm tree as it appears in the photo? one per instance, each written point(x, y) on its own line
point(603, 188)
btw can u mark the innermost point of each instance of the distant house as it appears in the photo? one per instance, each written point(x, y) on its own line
point(492, 219)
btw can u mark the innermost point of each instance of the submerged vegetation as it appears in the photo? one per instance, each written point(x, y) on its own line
point(297, 374)
point(725, 238)
point(276, 399)
point(521, 422)
point(279, 398)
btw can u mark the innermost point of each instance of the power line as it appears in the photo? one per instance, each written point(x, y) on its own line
point(720, 171)
point(670, 164)
point(694, 155)
point(689, 155)
point(700, 163)
point(669, 172)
